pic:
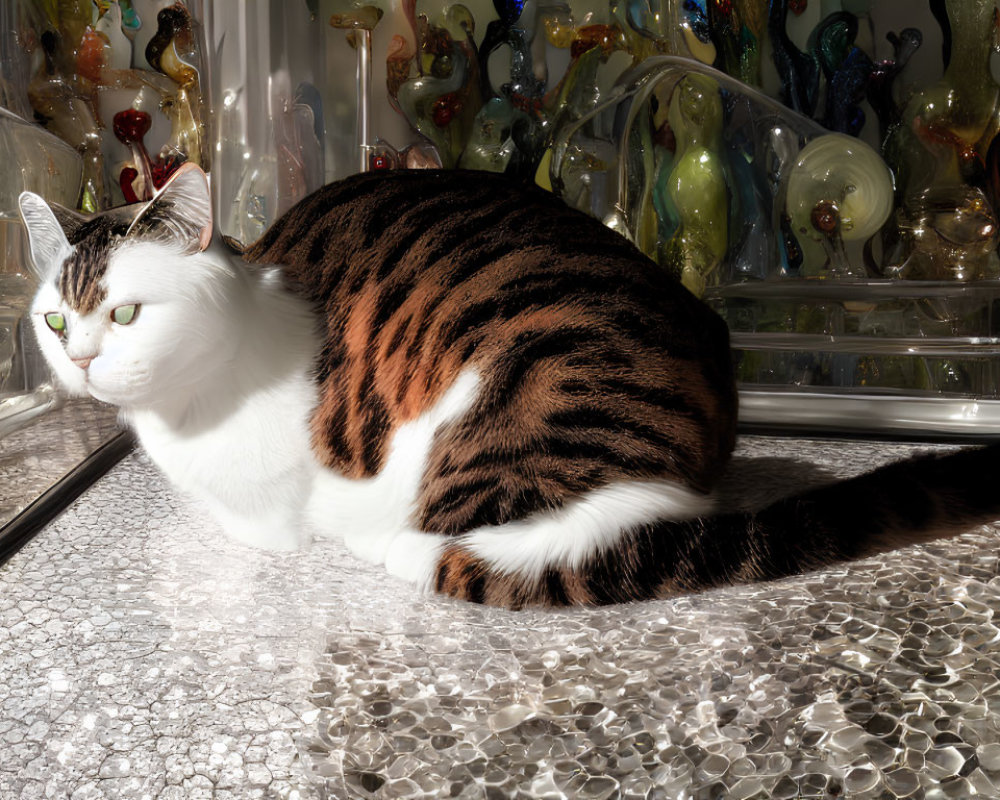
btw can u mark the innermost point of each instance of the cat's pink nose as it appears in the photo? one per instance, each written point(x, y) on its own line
point(83, 363)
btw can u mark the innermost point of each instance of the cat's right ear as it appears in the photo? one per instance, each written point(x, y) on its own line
point(181, 212)
point(46, 238)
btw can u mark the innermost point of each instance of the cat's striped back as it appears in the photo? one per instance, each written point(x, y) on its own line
point(596, 365)
point(605, 404)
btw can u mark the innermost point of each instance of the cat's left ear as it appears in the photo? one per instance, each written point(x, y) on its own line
point(46, 239)
point(181, 212)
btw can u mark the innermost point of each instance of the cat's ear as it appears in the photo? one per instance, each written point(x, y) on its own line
point(180, 213)
point(46, 239)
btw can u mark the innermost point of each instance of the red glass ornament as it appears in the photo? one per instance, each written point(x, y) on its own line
point(445, 108)
point(131, 125)
point(163, 168)
point(90, 57)
point(125, 178)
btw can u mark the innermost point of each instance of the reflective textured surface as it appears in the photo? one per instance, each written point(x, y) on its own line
point(36, 456)
point(142, 655)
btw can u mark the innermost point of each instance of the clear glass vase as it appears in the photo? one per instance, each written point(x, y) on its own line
point(25, 390)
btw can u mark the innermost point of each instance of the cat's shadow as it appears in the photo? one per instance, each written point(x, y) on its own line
point(751, 483)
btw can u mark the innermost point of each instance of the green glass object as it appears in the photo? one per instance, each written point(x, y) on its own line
point(490, 146)
point(437, 84)
point(438, 103)
point(839, 190)
point(666, 214)
point(892, 372)
point(951, 123)
point(575, 95)
point(738, 28)
point(751, 17)
point(697, 182)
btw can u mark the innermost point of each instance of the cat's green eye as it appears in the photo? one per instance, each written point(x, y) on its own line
point(56, 321)
point(125, 315)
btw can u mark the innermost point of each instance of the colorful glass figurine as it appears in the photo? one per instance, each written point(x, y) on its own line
point(435, 81)
point(67, 108)
point(847, 69)
point(697, 183)
point(882, 81)
point(130, 127)
point(799, 71)
point(524, 92)
point(839, 190)
point(173, 52)
point(141, 26)
point(940, 152)
point(951, 233)
point(490, 146)
point(441, 103)
point(696, 31)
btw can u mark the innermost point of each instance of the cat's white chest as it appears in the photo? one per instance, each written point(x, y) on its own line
point(250, 461)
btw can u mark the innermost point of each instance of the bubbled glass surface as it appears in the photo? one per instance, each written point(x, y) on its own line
point(143, 655)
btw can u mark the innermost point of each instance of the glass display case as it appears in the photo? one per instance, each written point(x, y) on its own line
point(823, 174)
point(101, 102)
point(25, 390)
point(852, 307)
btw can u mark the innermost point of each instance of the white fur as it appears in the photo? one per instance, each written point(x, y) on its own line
point(581, 529)
point(222, 390)
point(371, 513)
point(414, 557)
point(213, 374)
point(48, 244)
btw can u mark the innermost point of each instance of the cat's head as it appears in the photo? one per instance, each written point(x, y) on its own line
point(129, 303)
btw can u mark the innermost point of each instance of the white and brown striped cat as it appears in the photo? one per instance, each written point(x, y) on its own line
point(494, 395)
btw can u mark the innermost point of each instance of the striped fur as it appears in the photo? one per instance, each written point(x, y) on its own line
point(81, 281)
point(596, 368)
point(911, 501)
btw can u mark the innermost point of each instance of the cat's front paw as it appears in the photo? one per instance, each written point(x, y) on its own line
point(269, 539)
point(266, 534)
point(413, 556)
point(408, 554)
point(370, 547)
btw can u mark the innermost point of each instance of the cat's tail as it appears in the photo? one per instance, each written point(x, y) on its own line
point(907, 502)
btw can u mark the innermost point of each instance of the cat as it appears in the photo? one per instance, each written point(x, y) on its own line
point(495, 396)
